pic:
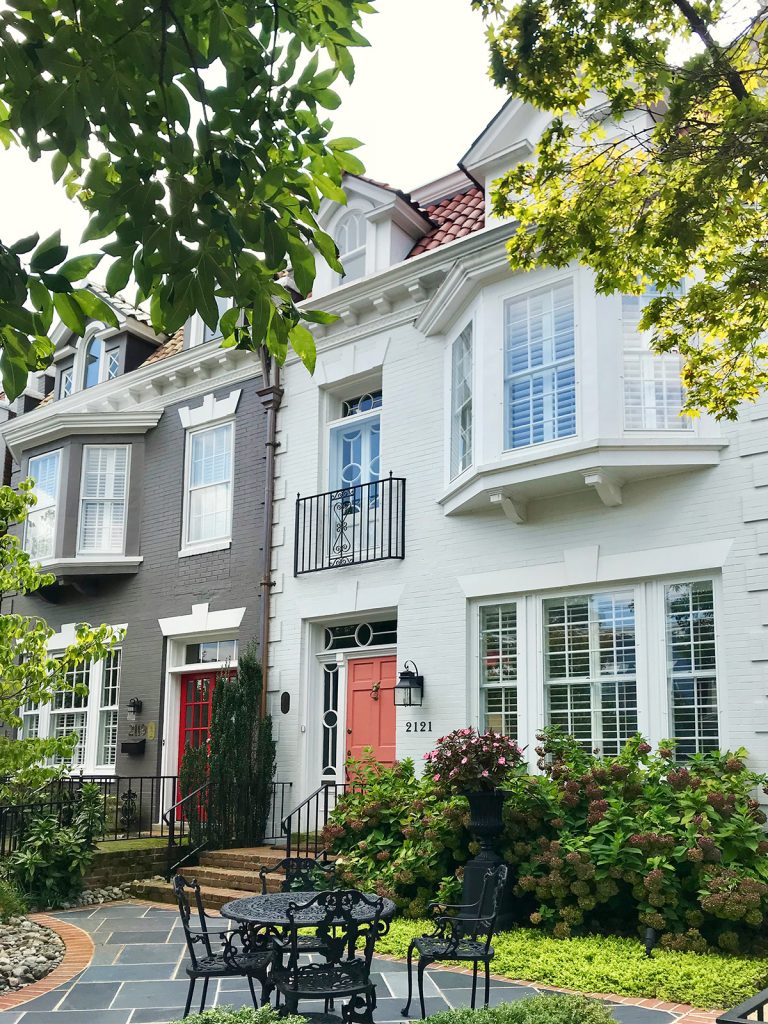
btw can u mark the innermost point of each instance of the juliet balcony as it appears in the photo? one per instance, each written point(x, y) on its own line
point(350, 526)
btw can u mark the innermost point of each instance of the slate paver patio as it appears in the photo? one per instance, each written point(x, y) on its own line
point(137, 976)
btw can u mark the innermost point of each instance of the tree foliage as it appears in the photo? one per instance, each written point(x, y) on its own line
point(194, 136)
point(29, 672)
point(242, 758)
point(652, 170)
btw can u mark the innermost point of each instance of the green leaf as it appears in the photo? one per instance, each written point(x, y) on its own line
point(49, 253)
point(80, 266)
point(25, 244)
point(303, 345)
point(70, 312)
point(317, 316)
point(229, 322)
point(95, 307)
point(119, 274)
point(302, 265)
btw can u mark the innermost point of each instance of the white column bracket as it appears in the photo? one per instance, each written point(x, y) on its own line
point(606, 485)
point(514, 509)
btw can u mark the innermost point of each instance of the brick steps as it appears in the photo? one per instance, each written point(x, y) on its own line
point(161, 892)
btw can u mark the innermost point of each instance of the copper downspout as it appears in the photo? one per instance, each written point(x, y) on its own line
point(271, 395)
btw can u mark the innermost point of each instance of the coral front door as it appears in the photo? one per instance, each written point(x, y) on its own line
point(371, 716)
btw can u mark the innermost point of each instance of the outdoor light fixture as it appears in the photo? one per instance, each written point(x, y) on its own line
point(410, 687)
point(135, 705)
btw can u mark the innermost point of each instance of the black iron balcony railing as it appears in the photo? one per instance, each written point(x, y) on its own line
point(350, 526)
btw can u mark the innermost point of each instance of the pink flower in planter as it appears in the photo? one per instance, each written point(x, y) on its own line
point(463, 760)
point(484, 774)
point(502, 760)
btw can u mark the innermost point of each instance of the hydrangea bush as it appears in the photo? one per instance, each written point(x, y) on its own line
point(612, 845)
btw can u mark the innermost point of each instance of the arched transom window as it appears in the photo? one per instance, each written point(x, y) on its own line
point(350, 238)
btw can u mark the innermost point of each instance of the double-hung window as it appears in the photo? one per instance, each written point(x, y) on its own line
point(539, 367)
point(691, 666)
point(590, 668)
point(69, 714)
point(498, 668)
point(40, 524)
point(653, 391)
point(350, 239)
point(103, 495)
point(208, 499)
point(461, 402)
point(108, 708)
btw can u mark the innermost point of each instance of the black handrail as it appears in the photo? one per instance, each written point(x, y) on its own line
point(179, 814)
point(303, 827)
point(350, 525)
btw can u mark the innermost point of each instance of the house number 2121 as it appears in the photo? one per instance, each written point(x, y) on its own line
point(418, 727)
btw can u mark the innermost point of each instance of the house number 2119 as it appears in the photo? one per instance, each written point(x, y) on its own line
point(418, 727)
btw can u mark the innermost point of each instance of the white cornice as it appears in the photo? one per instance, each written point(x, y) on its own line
point(27, 431)
point(458, 288)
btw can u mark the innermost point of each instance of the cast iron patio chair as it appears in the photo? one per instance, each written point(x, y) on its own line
point(251, 959)
point(302, 874)
point(461, 932)
point(346, 973)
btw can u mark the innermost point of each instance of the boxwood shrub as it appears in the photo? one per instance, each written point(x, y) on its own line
point(610, 845)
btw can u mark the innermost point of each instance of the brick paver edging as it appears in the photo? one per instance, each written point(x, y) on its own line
point(78, 951)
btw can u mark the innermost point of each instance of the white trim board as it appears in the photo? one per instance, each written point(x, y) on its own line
point(586, 565)
point(201, 620)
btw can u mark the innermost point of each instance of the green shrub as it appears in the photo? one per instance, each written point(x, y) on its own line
point(536, 1010)
point(228, 1015)
point(49, 866)
point(608, 845)
point(12, 903)
point(610, 965)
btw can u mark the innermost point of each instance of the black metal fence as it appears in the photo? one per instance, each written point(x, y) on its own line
point(303, 827)
point(350, 526)
point(753, 1009)
point(132, 807)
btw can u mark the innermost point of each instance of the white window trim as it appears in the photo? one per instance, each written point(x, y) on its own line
point(92, 709)
point(217, 543)
point(654, 708)
point(210, 411)
point(60, 454)
point(86, 553)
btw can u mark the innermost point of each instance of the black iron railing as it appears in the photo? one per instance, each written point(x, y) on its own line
point(131, 806)
point(350, 526)
point(303, 827)
point(754, 1009)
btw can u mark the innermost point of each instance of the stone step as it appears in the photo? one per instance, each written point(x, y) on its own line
point(247, 859)
point(161, 892)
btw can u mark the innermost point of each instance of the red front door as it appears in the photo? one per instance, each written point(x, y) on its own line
point(371, 716)
point(196, 697)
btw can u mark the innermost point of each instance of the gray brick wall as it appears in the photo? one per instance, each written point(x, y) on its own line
point(165, 584)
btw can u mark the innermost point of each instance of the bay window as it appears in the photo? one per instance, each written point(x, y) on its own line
point(691, 666)
point(103, 494)
point(208, 497)
point(461, 402)
point(539, 366)
point(653, 391)
point(40, 524)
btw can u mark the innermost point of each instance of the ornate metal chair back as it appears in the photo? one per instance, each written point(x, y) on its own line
point(182, 887)
point(489, 905)
point(300, 874)
point(335, 915)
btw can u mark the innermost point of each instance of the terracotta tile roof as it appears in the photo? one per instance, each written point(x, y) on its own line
point(455, 217)
point(169, 348)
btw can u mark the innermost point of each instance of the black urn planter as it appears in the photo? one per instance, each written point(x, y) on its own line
point(486, 824)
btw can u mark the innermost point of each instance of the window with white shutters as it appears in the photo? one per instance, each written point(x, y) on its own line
point(40, 524)
point(208, 511)
point(498, 668)
point(653, 391)
point(103, 496)
point(539, 367)
point(590, 668)
point(461, 402)
point(692, 667)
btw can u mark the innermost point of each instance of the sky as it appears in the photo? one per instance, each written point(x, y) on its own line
point(421, 95)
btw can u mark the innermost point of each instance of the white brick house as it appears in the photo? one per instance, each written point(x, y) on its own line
point(574, 551)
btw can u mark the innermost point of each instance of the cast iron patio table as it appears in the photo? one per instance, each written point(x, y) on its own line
point(272, 909)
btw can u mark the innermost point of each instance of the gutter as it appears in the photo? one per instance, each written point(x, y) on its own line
point(271, 395)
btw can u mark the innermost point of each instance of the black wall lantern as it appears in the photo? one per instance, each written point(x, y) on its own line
point(410, 687)
point(135, 705)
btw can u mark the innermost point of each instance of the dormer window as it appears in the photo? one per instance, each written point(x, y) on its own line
point(94, 359)
point(66, 383)
point(350, 238)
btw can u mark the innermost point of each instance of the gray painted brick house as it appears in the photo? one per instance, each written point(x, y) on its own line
point(148, 454)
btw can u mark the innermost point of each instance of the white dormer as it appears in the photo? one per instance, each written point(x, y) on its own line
point(375, 230)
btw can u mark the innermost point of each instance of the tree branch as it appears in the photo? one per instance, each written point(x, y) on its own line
point(699, 26)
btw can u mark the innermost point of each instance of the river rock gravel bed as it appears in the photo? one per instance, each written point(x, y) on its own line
point(28, 952)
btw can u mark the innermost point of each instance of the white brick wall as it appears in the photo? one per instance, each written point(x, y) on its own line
point(727, 502)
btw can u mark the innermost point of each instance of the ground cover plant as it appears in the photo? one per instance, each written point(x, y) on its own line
point(609, 845)
point(247, 1015)
point(609, 964)
point(536, 1010)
